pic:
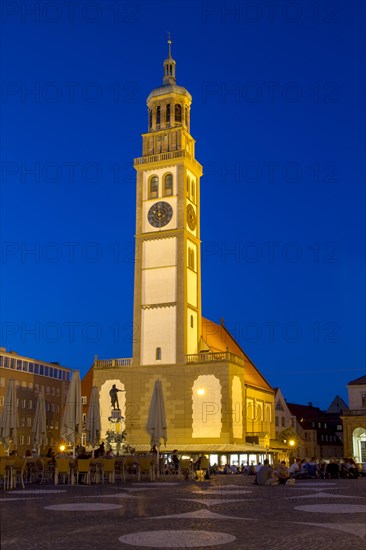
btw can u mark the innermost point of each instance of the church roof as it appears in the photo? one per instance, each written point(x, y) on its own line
point(219, 339)
point(358, 381)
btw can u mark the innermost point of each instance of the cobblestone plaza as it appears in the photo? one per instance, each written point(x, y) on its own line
point(227, 511)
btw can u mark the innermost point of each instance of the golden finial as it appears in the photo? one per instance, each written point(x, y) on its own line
point(169, 46)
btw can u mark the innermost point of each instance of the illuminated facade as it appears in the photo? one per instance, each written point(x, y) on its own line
point(354, 420)
point(31, 377)
point(216, 400)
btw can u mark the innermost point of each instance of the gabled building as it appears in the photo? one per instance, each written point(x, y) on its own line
point(284, 419)
point(319, 432)
point(354, 420)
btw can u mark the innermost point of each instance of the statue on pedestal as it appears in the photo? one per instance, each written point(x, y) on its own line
point(114, 398)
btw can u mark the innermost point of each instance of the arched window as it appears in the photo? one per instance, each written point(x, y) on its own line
point(186, 116)
point(168, 114)
point(158, 354)
point(168, 185)
point(150, 119)
point(158, 116)
point(153, 187)
point(178, 113)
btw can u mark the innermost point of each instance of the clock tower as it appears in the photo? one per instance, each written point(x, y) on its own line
point(167, 294)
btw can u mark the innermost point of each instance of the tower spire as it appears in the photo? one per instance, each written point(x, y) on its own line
point(169, 46)
point(169, 65)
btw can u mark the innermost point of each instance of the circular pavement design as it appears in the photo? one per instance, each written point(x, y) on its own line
point(83, 507)
point(333, 508)
point(177, 539)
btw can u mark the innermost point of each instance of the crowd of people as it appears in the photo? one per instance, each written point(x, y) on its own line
point(307, 469)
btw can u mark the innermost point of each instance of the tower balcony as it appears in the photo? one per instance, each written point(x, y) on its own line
point(112, 363)
point(214, 357)
point(147, 159)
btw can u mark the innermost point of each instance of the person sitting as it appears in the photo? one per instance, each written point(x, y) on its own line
point(312, 468)
point(100, 452)
point(175, 459)
point(295, 467)
point(109, 454)
point(265, 475)
point(282, 472)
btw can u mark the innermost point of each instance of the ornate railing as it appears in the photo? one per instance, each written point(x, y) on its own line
point(105, 363)
point(220, 356)
point(354, 412)
point(164, 156)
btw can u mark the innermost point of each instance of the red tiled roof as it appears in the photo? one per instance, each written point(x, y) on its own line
point(219, 339)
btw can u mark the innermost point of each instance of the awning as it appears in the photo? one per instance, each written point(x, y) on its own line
point(207, 448)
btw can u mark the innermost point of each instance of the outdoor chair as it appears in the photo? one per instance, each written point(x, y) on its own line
point(131, 466)
point(48, 470)
point(96, 470)
point(185, 470)
point(83, 470)
point(145, 468)
point(62, 469)
point(119, 470)
point(17, 472)
point(4, 474)
point(108, 466)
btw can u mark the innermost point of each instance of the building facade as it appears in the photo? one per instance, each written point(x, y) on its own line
point(318, 432)
point(214, 395)
point(31, 377)
point(354, 420)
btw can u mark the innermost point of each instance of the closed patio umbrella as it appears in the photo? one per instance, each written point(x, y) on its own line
point(71, 426)
point(9, 419)
point(93, 425)
point(39, 428)
point(156, 425)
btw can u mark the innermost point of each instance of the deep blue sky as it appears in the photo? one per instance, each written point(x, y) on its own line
point(283, 155)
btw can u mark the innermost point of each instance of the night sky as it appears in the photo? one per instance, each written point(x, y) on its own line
point(278, 114)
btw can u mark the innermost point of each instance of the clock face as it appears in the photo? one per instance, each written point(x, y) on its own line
point(191, 217)
point(160, 214)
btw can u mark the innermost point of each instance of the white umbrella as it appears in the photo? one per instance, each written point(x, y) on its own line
point(156, 423)
point(39, 429)
point(72, 419)
point(9, 419)
point(93, 425)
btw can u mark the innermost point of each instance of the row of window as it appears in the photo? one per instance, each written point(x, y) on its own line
point(50, 390)
point(328, 438)
point(27, 423)
point(26, 440)
point(154, 186)
point(28, 404)
point(34, 368)
point(168, 112)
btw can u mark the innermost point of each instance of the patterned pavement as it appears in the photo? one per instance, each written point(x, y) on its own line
point(226, 512)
